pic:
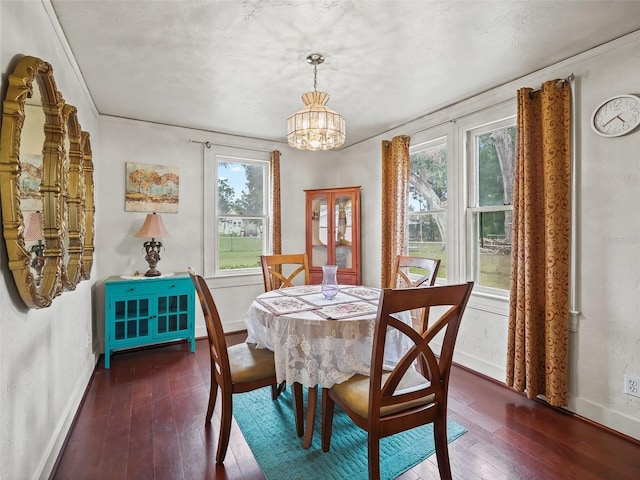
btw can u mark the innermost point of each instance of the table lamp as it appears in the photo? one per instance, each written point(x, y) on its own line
point(35, 233)
point(153, 227)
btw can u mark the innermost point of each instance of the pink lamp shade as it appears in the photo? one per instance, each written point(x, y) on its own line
point(153, 227)
point(35, 230)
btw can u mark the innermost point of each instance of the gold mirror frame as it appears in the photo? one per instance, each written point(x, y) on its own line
point(89, 207)
point(34, 293)
point(73, 209)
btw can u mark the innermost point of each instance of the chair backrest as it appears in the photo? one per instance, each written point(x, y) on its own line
point(215, 332)
point(272, 270)
point(434, 368)
point(427, 267)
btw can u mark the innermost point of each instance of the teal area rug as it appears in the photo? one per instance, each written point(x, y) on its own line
point(269, 429)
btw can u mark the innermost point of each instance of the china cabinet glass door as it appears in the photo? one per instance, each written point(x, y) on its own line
point(344, 231)
point(320, 229)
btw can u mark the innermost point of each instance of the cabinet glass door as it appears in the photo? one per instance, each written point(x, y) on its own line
point(173, 313)
point(344, 231)
point(319, 231)
point(131, 319)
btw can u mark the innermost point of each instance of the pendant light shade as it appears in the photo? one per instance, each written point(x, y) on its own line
point(315, 127)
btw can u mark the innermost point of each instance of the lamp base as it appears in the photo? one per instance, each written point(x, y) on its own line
point(152, 272)
point(152, 257)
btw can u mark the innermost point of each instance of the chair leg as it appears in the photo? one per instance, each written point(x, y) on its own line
point(442, 448)
point(298, 410)
point(277, 389)
point(213, 393)
point(374, 456)
point(327, 419)
point(312, 401)
point(225, 426)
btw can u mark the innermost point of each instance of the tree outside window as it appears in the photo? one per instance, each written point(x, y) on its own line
point(491, 203)
point(427, 202)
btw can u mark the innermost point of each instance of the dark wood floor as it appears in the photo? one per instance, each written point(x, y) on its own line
point(144, 419)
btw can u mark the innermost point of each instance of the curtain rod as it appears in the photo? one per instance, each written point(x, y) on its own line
point(209, 144)
point(570, 78)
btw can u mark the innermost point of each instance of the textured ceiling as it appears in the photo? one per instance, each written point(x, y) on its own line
point(239, 67)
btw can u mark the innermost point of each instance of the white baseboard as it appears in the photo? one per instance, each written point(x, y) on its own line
point(235, 326)
point(605, 416)
point(45, 469)
point(497, 372)
point(587, 409)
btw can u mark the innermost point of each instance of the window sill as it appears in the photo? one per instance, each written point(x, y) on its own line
point(235, 280)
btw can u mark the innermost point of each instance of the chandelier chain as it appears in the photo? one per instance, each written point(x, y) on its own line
point(315, 78)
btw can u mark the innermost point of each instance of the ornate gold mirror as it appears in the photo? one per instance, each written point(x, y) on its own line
point(31, 160)
point(73, 208)
point(89, 208)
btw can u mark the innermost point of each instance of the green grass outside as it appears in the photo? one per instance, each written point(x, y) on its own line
point(239, 252)
point(495, 269)
point(430, 250)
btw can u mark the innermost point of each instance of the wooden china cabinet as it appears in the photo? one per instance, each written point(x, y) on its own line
point(333, 233)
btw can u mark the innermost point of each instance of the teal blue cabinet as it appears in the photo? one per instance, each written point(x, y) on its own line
point(148, 310)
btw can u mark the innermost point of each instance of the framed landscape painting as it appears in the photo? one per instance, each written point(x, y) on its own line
point(151, 188)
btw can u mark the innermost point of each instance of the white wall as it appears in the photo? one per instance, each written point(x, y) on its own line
point(606, 344)
point(46, 355)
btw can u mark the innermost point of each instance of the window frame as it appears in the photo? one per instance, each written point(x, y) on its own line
point(460, 234)
point(422, 141)
point(489, 122)
point(213, 157)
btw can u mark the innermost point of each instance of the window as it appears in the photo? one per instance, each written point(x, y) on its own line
point(427, 202)
point(238, 206)
point(491, 155)
point(460, 199)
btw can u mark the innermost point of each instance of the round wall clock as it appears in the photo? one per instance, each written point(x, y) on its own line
point(616, 116)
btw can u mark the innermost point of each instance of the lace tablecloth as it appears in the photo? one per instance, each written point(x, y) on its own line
point(317, 341)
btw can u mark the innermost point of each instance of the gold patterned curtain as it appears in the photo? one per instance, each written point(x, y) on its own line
point(395, 185)
point(537, 357)
point(276, 227)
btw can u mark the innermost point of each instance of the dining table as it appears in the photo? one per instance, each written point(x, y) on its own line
point(319, 342)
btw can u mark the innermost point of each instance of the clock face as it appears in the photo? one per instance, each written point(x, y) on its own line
point(617, 116)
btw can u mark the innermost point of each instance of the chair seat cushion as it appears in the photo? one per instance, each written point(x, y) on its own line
point(355, 393)
point(248, 363)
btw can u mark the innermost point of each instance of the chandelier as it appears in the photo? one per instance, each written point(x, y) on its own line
point(315, 127)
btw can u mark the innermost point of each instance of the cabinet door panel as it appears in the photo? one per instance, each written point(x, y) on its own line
point(320, 228)
point(131, 319)
point(344, 231)
point(172, 313)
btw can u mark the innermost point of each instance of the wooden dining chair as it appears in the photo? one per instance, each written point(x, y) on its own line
point(389, 402)
point(427, 268)
point(274, 278)
point(273, 267)
point(236, 369)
